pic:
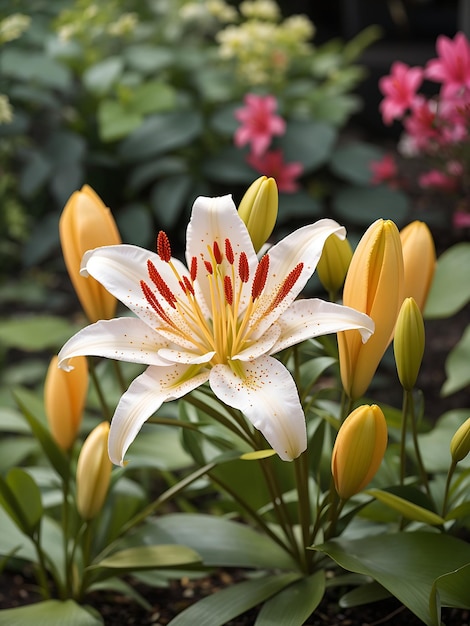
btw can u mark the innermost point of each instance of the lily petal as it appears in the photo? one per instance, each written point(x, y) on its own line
point(188, 358)
point(145, 396)
point(305, 319)
point(121, 268)
point(268, 397)
point(262, 346)
point(304, 246)
point(215, 220)
point(122, 339)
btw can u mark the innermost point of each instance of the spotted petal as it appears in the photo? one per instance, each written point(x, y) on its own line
point(305, 319)
point(304, 246)
point(268, 397)
point(122, 338)
point(145, 396)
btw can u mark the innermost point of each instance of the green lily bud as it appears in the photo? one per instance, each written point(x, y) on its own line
point(334, 262)
point(408, 344)
point(258, 209)
point(359, 449)
point(460, 444)
point(93, 472)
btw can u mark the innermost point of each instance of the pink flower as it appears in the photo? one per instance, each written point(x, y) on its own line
point(452, 67)
point(272, 164)
point(384, 170)
point(437, 180)
point(421, 123)
point(461, 219)
point(399, 89)
point(259, 123)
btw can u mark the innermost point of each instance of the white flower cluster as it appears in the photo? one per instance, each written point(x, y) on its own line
point(13, 26)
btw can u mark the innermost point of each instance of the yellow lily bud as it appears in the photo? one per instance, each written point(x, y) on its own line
point(419, 260)
point(460, 444)
point(374, 285)
point(359, 449)
point(408, 343)
point(334, 263)
point(86, 223)
point(258, 209)
point(64, 399)
point(93, 472)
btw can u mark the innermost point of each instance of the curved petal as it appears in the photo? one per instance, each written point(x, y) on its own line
point(188, 358)
point(217, 219)
point(268, 397)
point(122, 339)
point(262, 346)
point(145, 395)
point(304, 246)
point(121, 268)
point(305, 319)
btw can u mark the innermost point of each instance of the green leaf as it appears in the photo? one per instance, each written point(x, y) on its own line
point(147, 557)
point(159, 447)
point(15, 450)
point(450, 290)
point(219, 541)
point(99, 78)
point(435, 444)
point(308, 142)
point(223, 120)
point(34, 174)
point(148, 59)
point(404, 507)
point(219, 608)
point(406, 564)
point(169, 197)
point(55, 454)
point(229, 166)
point(49, 613)
point(364, 205)
point(352, 161)
point(161, 133)
point(33, 333)
point(116, 120)
point(135, 220)
point(453, 588)
point(146, 173)
point(457, 366)
point(295, 603)
point(35, 68)
point(21, 499)
point(153, 97)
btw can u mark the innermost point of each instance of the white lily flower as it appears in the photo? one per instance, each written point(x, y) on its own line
point(218, 321)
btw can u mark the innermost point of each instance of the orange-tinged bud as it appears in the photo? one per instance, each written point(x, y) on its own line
point(460, 444)
point(258, 209)
point(64, 399)
point(334, 263)
point(93, 472)
point(419, 260)
point(359, 449)
point(86, 223)
point(408, 343)
point(374, 285)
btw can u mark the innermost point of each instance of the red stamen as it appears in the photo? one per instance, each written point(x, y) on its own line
point(287, 285)
point(193, 269)
point(163, 246)
point(208, 267)
point(229, 252)
point(217, 253)
point(243, 268)
point(160, 284)
point(154, 303)
point(259, 280)
point(228, 289)
point(187, 284)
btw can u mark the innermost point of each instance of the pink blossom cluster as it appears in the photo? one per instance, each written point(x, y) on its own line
point(436, 127)
point(259, 124)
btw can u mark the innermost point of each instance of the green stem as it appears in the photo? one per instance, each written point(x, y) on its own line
point(65, 530)
point(119, 376)
point(41, 572)
point(303, 502)
point(450, 473)
point(419, 458)
point(99, 391)
point(404, 427)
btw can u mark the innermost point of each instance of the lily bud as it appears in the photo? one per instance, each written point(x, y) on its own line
point(334, 263)
point(93, 472)
point(419, 259)
point(374, 285)
point(86, 223)
point(408, 343)
point(460, 444)
point(359, 449)
point(64, 399)
point(258, 209)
